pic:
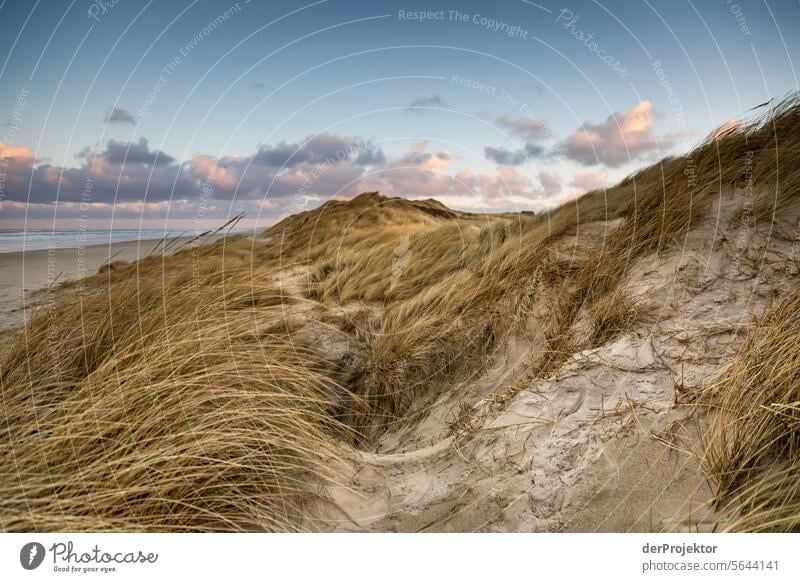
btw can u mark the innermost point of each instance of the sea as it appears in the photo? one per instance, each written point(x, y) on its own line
point(32, 240)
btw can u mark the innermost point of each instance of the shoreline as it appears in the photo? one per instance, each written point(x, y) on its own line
point(23, 273)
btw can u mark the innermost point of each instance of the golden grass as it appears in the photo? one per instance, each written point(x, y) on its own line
point(190, 392)
point(754, 438)
point(190, 407)
point(667, 199)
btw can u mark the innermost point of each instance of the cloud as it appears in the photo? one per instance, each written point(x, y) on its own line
point(206, 168)
point(316, 150)
point(533, 150)
point(528, 128)
point(584, 181)
point(423, 174)
point(371, 157)
point(551, 183)
point(621, 138)
point(122, 171)
point(506, 157)
point(119, 115)
point(119, 152)
point(172, 215)
point(419, 105)
point(11, 155)
point(133, 179)
point(280, 155)
point(324, 164)
point(727, 128)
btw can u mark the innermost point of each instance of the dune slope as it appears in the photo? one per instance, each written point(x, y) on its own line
point(381, 364)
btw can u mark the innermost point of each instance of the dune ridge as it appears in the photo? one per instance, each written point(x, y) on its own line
point(382, 364)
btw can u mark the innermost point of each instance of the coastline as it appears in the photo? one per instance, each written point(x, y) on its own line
point(23, 273)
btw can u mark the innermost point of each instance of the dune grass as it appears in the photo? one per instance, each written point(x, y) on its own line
point(190, 392)
point(754, 438)
point(658, 206)
point(187, 407)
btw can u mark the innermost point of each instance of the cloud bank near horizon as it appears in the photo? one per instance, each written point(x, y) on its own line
point(132, 180)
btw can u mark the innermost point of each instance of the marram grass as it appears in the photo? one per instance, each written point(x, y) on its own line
point(194, 392)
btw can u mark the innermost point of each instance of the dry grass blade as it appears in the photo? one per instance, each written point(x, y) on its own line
point(197, 389)
point(174, 409)
point(754, 439)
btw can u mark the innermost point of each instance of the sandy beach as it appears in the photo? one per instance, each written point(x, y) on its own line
point(24, 273)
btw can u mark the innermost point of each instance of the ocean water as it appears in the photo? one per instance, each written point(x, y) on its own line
point(32, 240)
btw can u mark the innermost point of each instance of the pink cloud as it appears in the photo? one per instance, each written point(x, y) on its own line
point(20, 154)
point(726, 128)
point(621, 138)
point(421, 174)
point(204, 167)
point(128, 180)
point(584, 181)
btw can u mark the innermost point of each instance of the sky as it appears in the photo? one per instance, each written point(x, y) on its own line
point(178, 115)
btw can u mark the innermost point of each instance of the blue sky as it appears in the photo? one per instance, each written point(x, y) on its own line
point(178, 114)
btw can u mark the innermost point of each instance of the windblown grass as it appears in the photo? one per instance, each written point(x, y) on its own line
point(468, 276)
point(189, 393)
point(184, 408)
point(667, 199)
point(754, 439)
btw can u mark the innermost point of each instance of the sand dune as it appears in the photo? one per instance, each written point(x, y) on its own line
point(603, 445)
point(381, 364)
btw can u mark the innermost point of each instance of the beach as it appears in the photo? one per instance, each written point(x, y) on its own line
point(24, 273)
